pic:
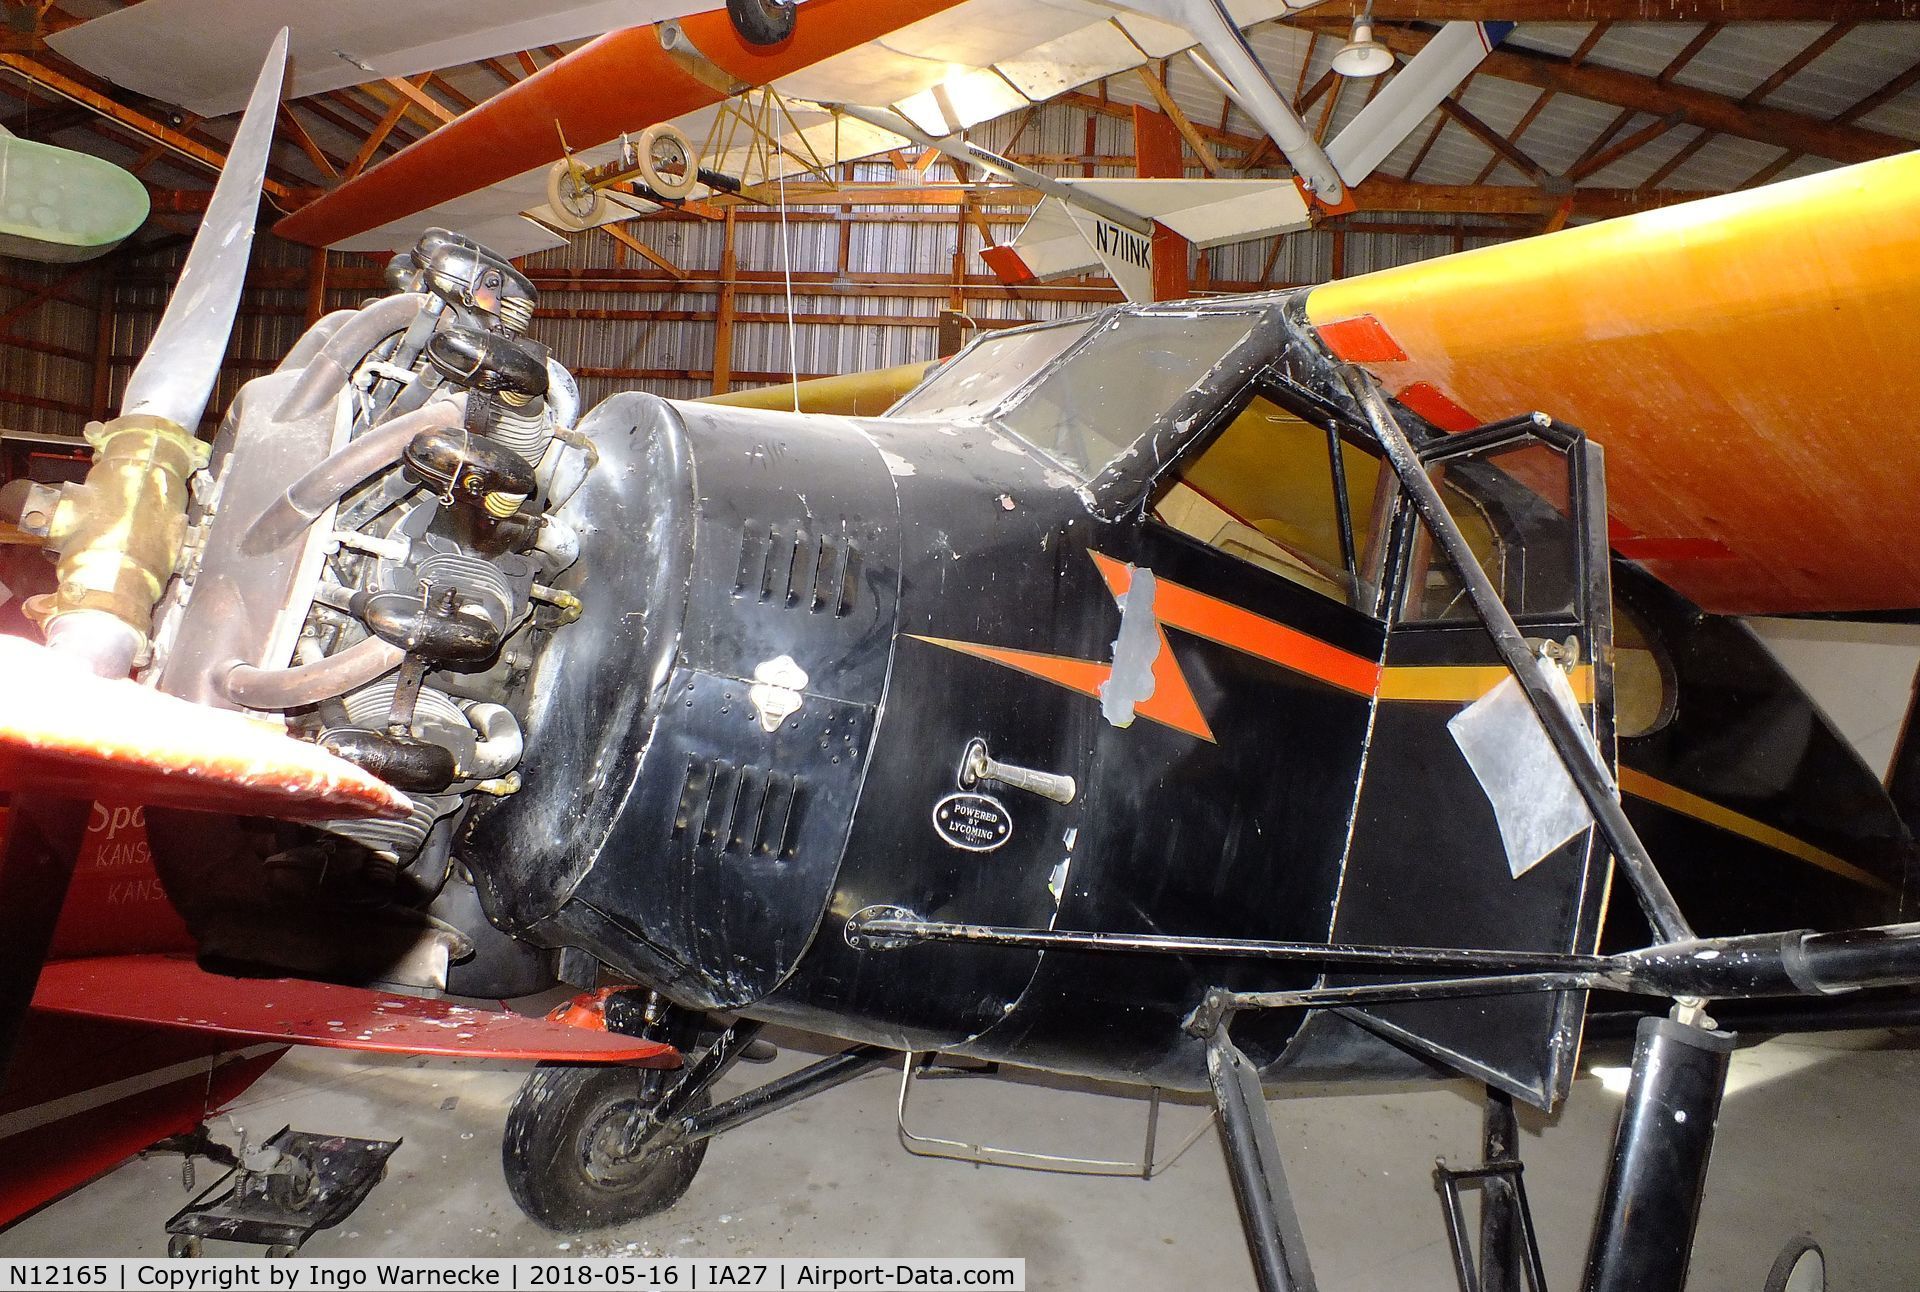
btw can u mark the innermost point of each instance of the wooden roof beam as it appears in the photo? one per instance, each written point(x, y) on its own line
point(1632, 143)
point(1579, 56)
point(1157, 87)
point(1787, 71)
point(1891, 90)
point(1437, 11)
point(1834, 140)
point(1380, 193)
point(321, 160)
point(137, 123)
point(1493, 139)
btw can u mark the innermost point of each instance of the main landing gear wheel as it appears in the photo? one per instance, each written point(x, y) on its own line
point(1802, 1267)
point(762, 22)
point(561, 1149)
point(576, 206)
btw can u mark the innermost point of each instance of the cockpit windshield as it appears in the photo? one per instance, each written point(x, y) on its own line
point(1091, 408)
point(1087, 408)
point(984, 374)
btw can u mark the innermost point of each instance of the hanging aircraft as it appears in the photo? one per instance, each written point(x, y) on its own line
point(59, 205)
point(1201, 695)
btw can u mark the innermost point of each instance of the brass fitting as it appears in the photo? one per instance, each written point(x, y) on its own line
point(119, 531)
point(502, 505)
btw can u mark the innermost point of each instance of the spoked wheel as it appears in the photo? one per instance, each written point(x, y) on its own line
point(562, 1149)
point(762, 22)
point(1801, 1267)
point(576, 206)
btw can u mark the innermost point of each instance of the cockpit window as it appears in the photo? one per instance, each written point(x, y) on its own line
point(986, 373)
point(1093, 407)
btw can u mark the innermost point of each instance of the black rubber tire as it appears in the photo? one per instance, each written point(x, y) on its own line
point(762, 22)
point(553, 1150)
point(1785, 1266)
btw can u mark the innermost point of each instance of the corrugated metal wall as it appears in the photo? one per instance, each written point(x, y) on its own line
point(602, 319)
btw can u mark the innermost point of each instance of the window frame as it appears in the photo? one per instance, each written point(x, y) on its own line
point(1366, 595)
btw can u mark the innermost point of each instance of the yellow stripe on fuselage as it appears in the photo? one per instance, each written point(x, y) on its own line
point(1461, 683)
point(1673, 798)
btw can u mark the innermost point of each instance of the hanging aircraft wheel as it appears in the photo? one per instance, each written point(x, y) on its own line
point(1801, 1267)
point(575, 206)
point(183, 1245)
point(561, 1154)
point(665, 158)
point(762, 22)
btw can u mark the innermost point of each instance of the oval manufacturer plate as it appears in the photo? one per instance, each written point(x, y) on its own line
point(974, 822)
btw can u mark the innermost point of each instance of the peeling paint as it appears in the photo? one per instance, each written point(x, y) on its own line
point(1134, 652)
point(776, 693)
point(1006, 502)
point(896, 464)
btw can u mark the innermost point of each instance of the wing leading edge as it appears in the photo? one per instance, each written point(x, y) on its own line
point(1746, 361)
point(175, 994)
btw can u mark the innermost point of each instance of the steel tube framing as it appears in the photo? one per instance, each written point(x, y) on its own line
point(783, 1092)
point(1570, 736)
point(1650, 1204)
point(672, 1104)
point(1260, 1192)
point(974, 155)
point(881, 929)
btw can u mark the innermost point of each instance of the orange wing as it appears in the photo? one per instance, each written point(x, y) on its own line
point(1747, 361)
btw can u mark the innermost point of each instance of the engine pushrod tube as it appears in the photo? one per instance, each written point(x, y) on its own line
point(1570, 737)
point(878, 930)
point(784, 1092)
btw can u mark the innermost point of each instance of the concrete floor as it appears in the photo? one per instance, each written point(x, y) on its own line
point(1819, 1134)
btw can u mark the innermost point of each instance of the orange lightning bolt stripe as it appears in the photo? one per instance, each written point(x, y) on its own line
point(1173, 703)
point(1219, 621)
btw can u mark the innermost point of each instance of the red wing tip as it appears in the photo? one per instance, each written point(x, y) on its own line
point(65, 730)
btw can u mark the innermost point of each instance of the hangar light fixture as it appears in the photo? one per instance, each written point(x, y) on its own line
point(1362, 55)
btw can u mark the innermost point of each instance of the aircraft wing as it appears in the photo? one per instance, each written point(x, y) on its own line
point(1746, 361)
point(176, 995)
point(160, 48)
point(1057, 239)
point(65, 731)
point(943, 64)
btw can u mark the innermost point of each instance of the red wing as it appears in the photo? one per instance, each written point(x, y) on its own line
point(174, 993)
point(65, 731)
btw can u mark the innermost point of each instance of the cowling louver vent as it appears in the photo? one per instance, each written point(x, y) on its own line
point(794, 570)
point(748, 811)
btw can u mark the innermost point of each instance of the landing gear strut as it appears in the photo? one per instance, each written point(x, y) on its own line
point(587, 1147)
point(1649, 1206)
